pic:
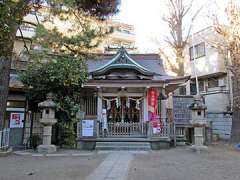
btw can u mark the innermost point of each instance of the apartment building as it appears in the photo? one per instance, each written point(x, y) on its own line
point(207, 60)
point(123, 36)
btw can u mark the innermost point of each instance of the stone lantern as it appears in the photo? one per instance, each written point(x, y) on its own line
point(47, 120)
point(199, 123)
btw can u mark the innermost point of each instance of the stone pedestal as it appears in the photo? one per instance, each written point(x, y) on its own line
point(47, 147)
point(47, 120)
point(198, 139)
point(199, 123)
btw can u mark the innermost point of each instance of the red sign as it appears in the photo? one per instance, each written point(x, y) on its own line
point(16, 120)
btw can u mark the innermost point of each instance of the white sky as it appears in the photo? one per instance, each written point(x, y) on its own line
point(146, 16)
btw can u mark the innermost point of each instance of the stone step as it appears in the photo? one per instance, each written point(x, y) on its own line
point(141, 146)
point(123, 143)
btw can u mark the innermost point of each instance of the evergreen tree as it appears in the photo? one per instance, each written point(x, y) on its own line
point(11, 16)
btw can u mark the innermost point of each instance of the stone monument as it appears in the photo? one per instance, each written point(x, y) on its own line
point(199, 123)
point(47, 120)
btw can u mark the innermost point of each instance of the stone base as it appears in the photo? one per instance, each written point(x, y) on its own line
point(46, 148)
point(157, 145)
point(87, 145)
point(198, 149)
point(181, 143)
point(6, 152)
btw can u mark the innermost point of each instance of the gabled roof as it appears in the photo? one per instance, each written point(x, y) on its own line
point(122, 61)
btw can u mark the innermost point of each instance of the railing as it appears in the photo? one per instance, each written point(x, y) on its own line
point(4, 138)
point(132, 129)
point(161, 129)
point(124, 129)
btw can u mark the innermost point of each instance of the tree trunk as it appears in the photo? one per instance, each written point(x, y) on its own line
point(5, 67)
point(235, 136)
point(12, 16)
point(180, 62)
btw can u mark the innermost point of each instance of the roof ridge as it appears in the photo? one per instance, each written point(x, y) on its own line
point(122, 58)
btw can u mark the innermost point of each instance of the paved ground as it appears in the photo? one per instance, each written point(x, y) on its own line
point(115, 166)
point(219, 163)
point(17, 167)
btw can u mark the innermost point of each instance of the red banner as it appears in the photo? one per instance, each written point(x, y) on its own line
point(152, 103)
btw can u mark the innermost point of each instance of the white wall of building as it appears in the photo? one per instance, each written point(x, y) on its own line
point(212, 62)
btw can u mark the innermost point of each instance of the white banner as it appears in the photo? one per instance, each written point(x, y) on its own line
point(104, 119)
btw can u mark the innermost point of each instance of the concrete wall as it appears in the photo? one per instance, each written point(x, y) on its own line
point(217, 101)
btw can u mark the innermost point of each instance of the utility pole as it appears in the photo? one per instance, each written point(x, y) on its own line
point(194, 63)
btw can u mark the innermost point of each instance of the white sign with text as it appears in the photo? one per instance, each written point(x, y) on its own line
point(87, 127)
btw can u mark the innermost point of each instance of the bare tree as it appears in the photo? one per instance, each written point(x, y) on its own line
point(178, 36)
point(231, 35)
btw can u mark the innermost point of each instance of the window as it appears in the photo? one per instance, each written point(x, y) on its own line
point(201, 86)
point(193, 89)
point(182, 90)
point(90, 105)
point(199, 51)
point(212, 82)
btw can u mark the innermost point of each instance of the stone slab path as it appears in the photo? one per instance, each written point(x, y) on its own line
point(115, 166)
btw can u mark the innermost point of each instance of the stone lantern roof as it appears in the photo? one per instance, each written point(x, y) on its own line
point(198, 104)
point(49, 103)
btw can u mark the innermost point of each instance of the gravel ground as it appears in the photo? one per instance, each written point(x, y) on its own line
point(218, 163)
point(48, 168)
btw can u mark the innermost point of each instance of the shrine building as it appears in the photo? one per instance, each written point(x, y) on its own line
point(129, 89)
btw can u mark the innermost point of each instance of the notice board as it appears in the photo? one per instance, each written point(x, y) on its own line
point(87, 128)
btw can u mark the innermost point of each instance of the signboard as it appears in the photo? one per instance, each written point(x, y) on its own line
point(157, 126)
point(181, 112)
point(16, 120)
point(87, 127)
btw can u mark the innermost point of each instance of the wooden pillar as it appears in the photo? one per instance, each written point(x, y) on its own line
point(145, 107)
point(163, 107)
point(99, 106)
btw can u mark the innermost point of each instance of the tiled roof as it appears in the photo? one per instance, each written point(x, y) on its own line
point(151, 62)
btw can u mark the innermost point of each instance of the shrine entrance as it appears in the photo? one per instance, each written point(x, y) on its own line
point(123, 109)
point(124, 117)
